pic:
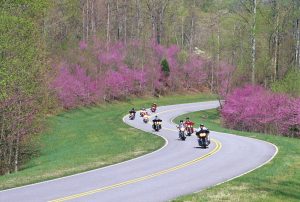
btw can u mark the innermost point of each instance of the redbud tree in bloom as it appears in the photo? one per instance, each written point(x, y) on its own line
point(253, 108)
point(100, 71)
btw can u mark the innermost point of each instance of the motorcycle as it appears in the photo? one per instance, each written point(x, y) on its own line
point(132, 116)
point(156, 125)
point(146, 118)
point(203, 139)
point(153, 109)
point(182, 135)
point(142, 113)
point(190, 130)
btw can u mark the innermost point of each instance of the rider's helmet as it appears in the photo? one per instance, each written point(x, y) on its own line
point(181, 121)
point(201, 125)
point(187, 118)
point(132, 109)
point(156, 117)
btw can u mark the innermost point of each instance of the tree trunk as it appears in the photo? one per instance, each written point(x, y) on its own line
point(182, 33)
point(108, 24)
point(93, 24)
point(118, 21)
point(253, 41)
point(3, 150)
point(125, 22)
point(138, 13)
point(87, 20)
point(276, 54)
point(83, 24)
point(192, 27)
point(17, 146)
point(297, 44)
point(276, 41)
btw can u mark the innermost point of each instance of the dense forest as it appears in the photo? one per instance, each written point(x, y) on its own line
point(57, 54)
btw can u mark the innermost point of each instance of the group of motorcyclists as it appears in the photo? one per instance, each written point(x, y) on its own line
point(186, 128)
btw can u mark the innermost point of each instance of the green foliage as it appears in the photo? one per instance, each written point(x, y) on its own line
point(21, 76)
point(165, 67)
point(19, 54)
point(289, 84)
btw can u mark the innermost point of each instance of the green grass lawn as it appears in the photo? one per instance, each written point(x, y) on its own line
point(278, 180)
point(89, 138)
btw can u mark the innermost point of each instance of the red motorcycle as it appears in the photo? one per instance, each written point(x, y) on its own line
point(153, 109)
point(189, 127)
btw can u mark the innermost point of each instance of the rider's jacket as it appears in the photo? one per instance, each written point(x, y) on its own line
point(181, 125)
point(132, 111)
point(202, 130)
point(188, 123)
point(156, 120)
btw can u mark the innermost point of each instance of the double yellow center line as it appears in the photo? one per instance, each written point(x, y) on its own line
point(147, 177)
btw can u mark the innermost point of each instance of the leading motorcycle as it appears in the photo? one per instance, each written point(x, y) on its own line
point(203, 139)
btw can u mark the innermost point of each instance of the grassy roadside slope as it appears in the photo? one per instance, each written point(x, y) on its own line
point(278, 180)
point(89, 138)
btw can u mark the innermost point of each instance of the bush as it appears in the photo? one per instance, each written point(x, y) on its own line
point(253, 108)
point(117, 70)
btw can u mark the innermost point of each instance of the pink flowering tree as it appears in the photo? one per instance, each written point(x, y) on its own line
point(99, 71)
point(253, 108)
point(75, 88)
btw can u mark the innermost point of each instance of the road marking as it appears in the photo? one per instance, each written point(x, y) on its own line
point(150, 176)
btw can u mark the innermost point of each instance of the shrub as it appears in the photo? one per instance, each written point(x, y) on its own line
point(114, 71)
point(253, 108)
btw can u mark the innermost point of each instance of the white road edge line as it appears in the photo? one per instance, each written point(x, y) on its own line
point(249, 171)
point(94, 170)
point(97, 169)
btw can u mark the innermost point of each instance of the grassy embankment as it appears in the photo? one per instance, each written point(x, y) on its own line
point(89, 138)
point(278, 180)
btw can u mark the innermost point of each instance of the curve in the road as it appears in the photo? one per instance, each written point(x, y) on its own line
point(177, 168)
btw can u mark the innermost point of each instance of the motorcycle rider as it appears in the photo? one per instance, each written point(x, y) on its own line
point(181, 124)
point(132, 114)
point(156, 119)
point(189, 123)
point(153, 107)
point(146, 117)
point(202, 129)
point(181, 133)
point(132, 111)
point(143, 112)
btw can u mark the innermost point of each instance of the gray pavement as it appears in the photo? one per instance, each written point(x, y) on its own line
point(179, 168)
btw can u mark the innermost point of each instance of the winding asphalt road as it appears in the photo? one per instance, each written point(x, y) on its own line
point(179, 168)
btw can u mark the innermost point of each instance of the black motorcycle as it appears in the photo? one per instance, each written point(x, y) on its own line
point(132, 116)
point(156, 125)
point(203, 139)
